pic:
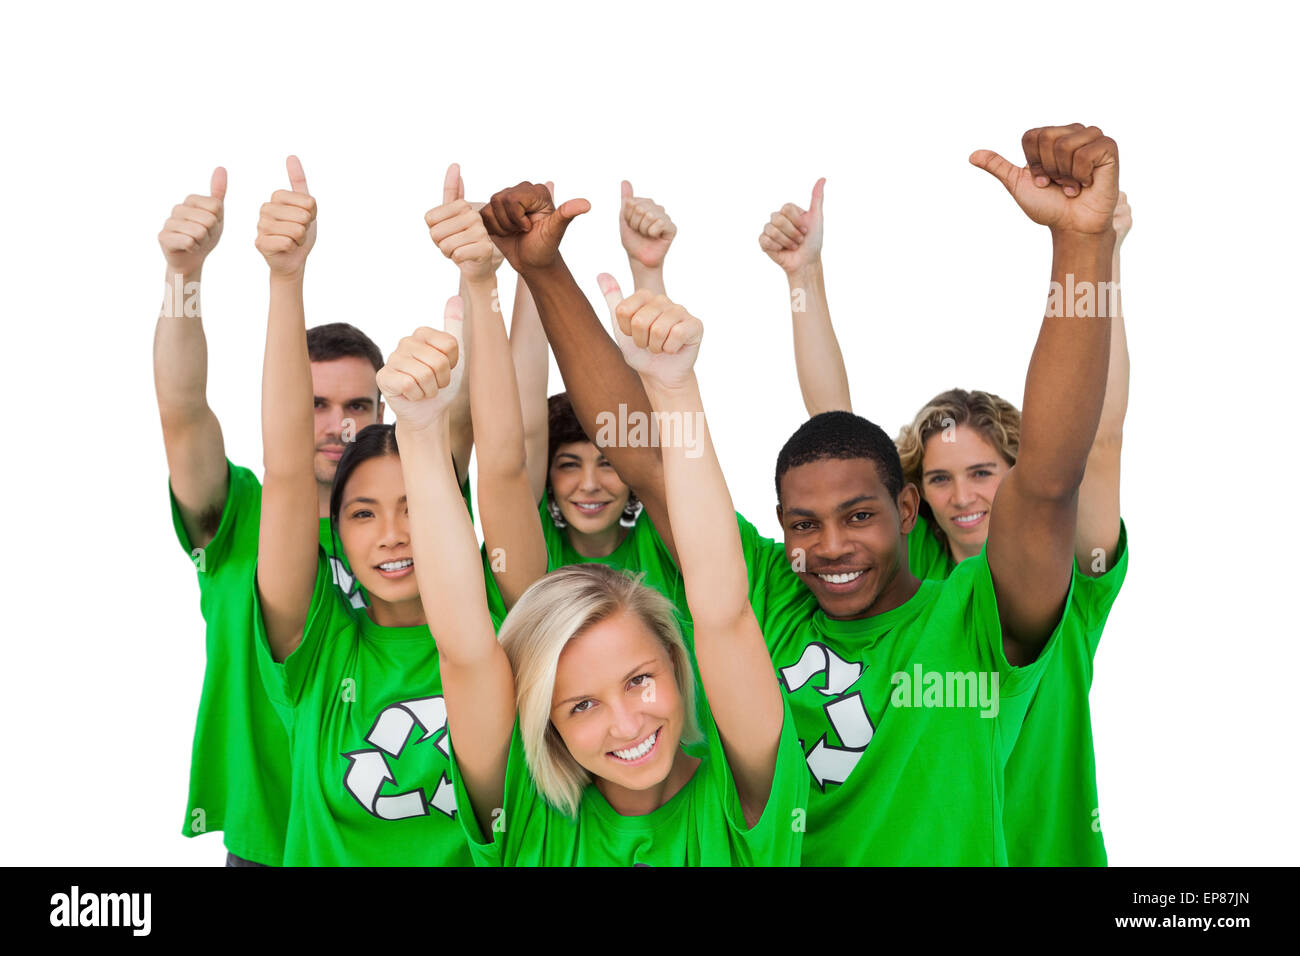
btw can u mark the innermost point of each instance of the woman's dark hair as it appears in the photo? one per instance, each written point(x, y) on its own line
point(562, 424)
point(373, 441)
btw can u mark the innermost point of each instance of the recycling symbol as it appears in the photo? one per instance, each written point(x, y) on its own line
point(846, 712)
point(368, 769)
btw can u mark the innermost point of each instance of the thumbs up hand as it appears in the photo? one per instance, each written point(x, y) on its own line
point(1070, 180)
point(286, 230)
point(421, 379)
point(793, 237)
point(660, 340)
point(194, 228)
point(527, 226)
point(456, 227)
point(645, 229)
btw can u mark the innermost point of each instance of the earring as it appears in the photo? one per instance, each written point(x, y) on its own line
point(631, 511)
point(557, 518)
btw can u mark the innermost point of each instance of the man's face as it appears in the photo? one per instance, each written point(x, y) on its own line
point(844, 534)
point(347, 400)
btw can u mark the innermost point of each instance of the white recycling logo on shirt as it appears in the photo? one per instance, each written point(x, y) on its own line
point(368, 769)
point(846, 712)
point(348, 584)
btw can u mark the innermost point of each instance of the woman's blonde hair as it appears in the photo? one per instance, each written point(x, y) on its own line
point(556, 609)
point(996, 419)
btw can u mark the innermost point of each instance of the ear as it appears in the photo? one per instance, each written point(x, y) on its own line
point(779, 515)
point(909, 506)
point(379, 411)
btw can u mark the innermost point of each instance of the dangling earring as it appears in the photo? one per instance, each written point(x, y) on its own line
point(631, 511)
point(557, 518)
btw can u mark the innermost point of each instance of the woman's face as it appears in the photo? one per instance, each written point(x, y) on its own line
point(958, 480)
point(590, 494)
point(616, 704)
point(374, 530)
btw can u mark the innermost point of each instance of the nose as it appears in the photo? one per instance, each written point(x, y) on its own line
point(590, 478)
point(963, 492)
point(396, 531)
point(833, 543)
point(625, 720)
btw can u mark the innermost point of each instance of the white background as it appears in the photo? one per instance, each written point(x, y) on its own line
point(113, 113)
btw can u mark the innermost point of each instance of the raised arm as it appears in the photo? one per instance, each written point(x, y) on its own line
point(289, 533)
point(1069, 184)
point(1096, 538)
point(661, 341)
point(512, 530)
point(196, 452)
point(793, 240)
point(646, 232)
point(419, 383)
point(527, 226)
point(531, 354)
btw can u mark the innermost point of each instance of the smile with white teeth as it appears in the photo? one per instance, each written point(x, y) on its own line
point(396, 565)
point(589, 505)
point(844, 578)
point(639, 751)
point(969, 519)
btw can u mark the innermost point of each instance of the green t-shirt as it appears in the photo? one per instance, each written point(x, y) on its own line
point(368, 741)
point(702, 825)
point(239, 764)
point(641, 551)
point(905, 732)
point(1051, 815)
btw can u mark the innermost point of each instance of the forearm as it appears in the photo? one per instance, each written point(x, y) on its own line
point(823, 380)
point(1066, 382)
point(444, 547)
point(700, 506)
point(528, 350)
point(287, 398)
point(595, 375)
point(647, 277)
point(180, 354)
point(1110, 428)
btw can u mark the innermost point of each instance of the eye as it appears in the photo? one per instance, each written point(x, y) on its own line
point(936, 479)
point(983, 473)
point(639, 680)
point(319, 403)
point(567, 465)
point(582, 706)
point(362, 513)
point(358, 406)
point(864, 515)
point(801, 526)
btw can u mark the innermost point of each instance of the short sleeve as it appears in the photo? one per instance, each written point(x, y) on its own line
point(240, 514)
point(1094, 596)
point(285, 681)
point(523, 806)
point(770, 575)
point(985, 627)
point(776, 839)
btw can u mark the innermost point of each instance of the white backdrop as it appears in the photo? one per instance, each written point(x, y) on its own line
point(113, 113)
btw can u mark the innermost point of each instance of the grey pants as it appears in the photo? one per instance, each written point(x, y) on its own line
point(232, 860)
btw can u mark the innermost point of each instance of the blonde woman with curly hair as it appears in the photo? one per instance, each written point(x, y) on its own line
point(956, 451)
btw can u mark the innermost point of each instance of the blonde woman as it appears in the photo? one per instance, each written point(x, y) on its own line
point(568, 733)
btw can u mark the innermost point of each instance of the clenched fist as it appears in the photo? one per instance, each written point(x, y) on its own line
point(457, 229)
point(660, 339)
point(194, 228)
point(421, 379)
point(286, 230)
point(793, 237)
point(645, 229)
point(527, 226)
point(1070, 180)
